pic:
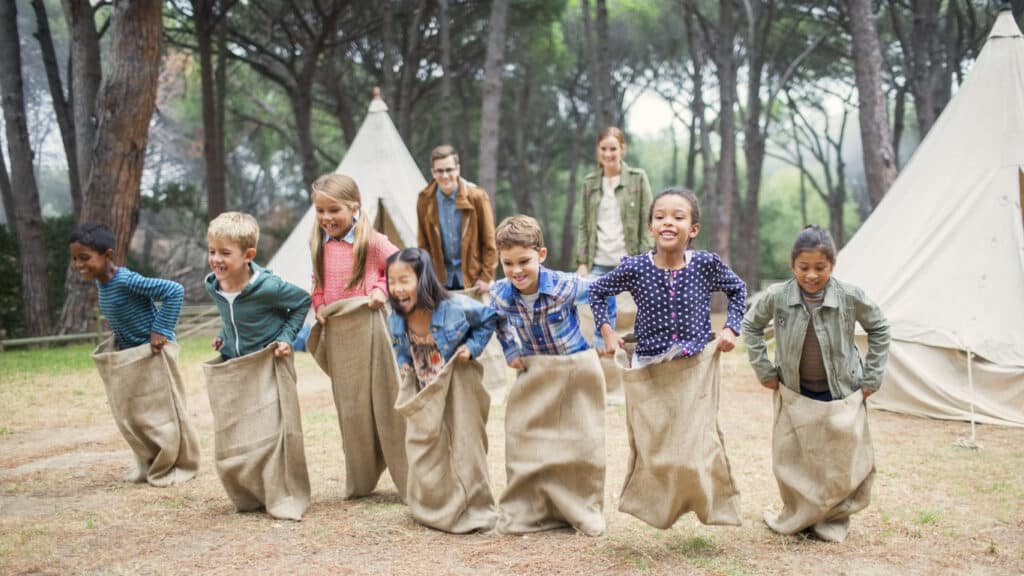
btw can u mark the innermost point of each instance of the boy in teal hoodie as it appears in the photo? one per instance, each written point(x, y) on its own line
point(256, 307)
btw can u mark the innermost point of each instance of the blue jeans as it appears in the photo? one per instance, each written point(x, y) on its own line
point(597, 271)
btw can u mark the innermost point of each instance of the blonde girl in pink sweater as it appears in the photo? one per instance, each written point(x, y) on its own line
point(349, 256)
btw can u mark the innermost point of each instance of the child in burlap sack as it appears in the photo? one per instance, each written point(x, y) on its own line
point(165, 443)
point(674, 468)
point(436, 334)
point(826, 476)
point(554, 423)
point(258, 445)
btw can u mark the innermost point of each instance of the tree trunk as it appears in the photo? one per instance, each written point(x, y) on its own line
point(302, 107)
point(61, 106)
point(876, 142)
point(410, 66)
point(568, 228)
point(606, 108)
point(691, 156)
point(213, 162)
point(86, 75)
point(698, 52)
point(387, 61)
point(22, 206)
point(490, 108)
point(522, 194)
point(725, 59)
point(597, 97)
point(446, 72)
point(124, 107)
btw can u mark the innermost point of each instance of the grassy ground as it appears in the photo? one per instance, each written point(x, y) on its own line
point(937, 508)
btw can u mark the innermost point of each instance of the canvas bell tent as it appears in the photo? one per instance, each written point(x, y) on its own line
point(943, 253)
point(389, 183)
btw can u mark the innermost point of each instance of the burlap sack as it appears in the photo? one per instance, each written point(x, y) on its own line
point(257, 436)
point(496, 375)
point(554, 446)
point(823, 461)
point(147, 398)
point(354, 349)
point(446, 441)
point(625, 317)
point(677, 461)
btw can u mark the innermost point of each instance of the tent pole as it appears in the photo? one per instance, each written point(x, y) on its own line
point(963, 442)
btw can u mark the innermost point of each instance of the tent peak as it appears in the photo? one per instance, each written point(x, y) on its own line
point(377, 103)
point(1005, 26)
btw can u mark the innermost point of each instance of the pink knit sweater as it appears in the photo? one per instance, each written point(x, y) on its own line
point(338, 262)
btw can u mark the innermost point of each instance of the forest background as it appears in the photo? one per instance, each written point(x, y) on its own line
point(155, 116)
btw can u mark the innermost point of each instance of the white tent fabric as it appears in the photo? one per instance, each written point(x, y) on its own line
point(943, 253)
point(388, 179)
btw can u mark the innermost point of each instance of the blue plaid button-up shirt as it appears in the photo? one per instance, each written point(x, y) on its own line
point(451, 236)
point(551, 327)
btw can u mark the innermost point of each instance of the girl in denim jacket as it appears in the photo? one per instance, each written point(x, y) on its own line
point(428, 324)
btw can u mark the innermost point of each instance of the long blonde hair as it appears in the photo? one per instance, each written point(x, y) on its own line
point(344, 190)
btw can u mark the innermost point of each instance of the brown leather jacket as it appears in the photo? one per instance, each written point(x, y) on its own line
point(479, 254)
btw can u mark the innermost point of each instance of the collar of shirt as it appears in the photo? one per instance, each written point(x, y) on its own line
point(793, 297)
point(546, 282)
point(351, 236)
point(449, 198)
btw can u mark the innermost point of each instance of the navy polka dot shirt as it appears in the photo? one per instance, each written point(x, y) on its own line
point(673, 306)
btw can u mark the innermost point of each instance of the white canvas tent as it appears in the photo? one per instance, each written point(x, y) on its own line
point(943, 253)
point(389, 182)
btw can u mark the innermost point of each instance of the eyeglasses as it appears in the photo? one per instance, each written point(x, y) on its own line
point(443, 171)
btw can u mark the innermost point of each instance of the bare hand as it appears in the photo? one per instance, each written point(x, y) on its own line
point(517, 364)
point(462, 353)
point(612, 341)
point(482, 286)
point(772, 384)
point(217, 343)
point(320, 317)
point(377, 299)
point(726, 340)
point(283, 349)
point(867, 391)
point(582, 270)
point(156, 342)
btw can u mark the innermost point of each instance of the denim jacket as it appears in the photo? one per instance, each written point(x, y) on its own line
point(456, 320)
point(833, 323)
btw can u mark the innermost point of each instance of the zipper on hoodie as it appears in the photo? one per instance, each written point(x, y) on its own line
point(231, 309)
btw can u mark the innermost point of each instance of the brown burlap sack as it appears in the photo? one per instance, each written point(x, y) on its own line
point(677, 461)
point(147, 398)
point(823, 461)
point(496, 374)
point(257, 435)
point(354, 349)
point(446, 441)
point(554, 446)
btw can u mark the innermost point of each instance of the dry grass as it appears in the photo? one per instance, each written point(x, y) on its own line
point(937, 509)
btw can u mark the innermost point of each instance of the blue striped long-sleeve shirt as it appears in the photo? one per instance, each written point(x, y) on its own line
point(551, 326)
point(127, 301)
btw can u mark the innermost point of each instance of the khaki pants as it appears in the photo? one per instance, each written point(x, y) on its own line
point(354, 349)
point(554, 446)
point(823, 461)
point(257, 434)
point(446, 442)
point(677, 461)
point(147, 399)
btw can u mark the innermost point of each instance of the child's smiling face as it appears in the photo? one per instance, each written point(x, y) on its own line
point(522, 266)
point(403, 285)
point(229, 263)
point(812, 269)
point(334, 217)
point(90, 263)
point(672, 224)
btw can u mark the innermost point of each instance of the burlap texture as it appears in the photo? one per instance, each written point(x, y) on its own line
point(823, 461)
point(446, 442)
point(492, 358)
point(257, 434)
point(677, 460)
point(554, 446)
point(147, 399)
point(354, 349)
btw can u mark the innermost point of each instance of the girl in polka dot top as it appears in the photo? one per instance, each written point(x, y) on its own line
point(672, 287)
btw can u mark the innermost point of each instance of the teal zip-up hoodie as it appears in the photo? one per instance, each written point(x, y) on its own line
point(267, 310)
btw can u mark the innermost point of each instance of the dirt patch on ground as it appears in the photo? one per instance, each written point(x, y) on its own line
point(937, 508)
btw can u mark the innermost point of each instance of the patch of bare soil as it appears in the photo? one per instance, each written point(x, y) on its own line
point(936, 509)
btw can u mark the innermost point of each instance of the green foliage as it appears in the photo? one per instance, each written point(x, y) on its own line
point(57, 231)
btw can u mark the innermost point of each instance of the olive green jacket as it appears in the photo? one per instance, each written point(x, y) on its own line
point(634, 196)
point(833, 324)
